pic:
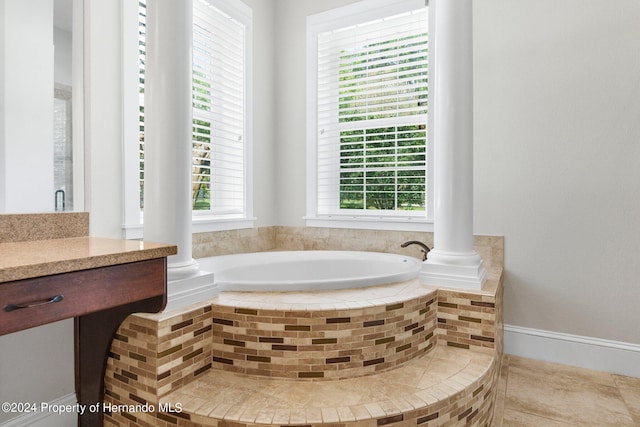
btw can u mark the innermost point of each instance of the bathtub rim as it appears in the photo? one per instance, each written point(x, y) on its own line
point(316, 285)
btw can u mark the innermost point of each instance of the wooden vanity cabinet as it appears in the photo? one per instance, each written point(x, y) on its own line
point(99, 299)
point(62, 296)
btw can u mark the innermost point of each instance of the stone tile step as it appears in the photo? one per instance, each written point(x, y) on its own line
point(447, 386)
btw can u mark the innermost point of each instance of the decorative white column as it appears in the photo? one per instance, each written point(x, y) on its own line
point(168, 124)
point(168, 118)
point(453, 261)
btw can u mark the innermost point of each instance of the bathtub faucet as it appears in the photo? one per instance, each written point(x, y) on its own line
point(425, 249)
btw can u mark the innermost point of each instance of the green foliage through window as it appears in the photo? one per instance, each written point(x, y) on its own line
point(383, 162)
point(383, 168)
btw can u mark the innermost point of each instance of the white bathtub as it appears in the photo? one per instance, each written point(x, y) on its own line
point(308, 270)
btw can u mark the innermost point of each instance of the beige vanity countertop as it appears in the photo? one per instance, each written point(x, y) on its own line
point(36, 258)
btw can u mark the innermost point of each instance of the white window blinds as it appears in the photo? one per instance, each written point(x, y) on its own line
point(219, 104)
point(218, 111)
point(371, 116)
point(142, 51)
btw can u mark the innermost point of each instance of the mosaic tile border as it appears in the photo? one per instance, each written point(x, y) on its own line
point(471, 321)
point(149, 358)
point(322, 344)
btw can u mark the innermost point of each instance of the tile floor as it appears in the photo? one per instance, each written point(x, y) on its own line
point(539, 394)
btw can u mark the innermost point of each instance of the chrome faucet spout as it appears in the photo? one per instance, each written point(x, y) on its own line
point(425, 249)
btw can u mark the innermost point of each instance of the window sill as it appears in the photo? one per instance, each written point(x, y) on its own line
point(370, 223)
point(205, 224)
point(200, 224)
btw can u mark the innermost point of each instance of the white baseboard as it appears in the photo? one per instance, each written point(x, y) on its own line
point(47, 419)
point(586, 352)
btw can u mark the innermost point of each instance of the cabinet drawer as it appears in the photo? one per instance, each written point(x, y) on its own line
point(62, 296)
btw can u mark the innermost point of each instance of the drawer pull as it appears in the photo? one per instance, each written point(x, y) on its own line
point(11, 307)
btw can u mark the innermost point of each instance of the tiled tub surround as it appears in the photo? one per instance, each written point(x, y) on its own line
point(170, 358)
point(281, 238)
point(338, 336)
point(470, 321)
point(231, 361)
point(152, 355)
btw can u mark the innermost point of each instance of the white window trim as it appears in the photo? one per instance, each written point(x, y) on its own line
point(132, 216)
point(133, 221)
point(363, 11)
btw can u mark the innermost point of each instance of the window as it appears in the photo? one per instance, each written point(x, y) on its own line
point(221, 137)
point(367, 93)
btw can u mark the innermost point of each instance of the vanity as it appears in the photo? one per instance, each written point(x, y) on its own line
point(51, 269)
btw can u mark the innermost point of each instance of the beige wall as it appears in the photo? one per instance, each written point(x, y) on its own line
point(557, 137)
point(264, 110)
point(291, 105)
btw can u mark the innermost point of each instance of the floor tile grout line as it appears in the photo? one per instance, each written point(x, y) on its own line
point(613, 383)
point(563, 422)
point(624, 400)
